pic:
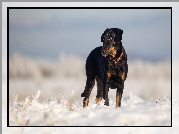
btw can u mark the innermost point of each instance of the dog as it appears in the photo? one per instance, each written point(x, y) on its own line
point(107, 65)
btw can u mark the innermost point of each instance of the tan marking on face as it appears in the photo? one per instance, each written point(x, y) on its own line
point(111, 49)
point(112, 52)
point(108, 49)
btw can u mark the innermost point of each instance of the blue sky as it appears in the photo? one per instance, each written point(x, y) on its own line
point(46, 33)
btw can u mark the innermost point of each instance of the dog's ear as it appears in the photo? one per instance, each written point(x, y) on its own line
point(103, 35)
point(118, 33)
point(102, 38)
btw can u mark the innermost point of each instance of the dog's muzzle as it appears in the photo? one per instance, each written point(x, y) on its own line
point(105, 51)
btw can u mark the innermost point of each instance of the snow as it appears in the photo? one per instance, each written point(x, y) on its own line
point(52, 98)
point(67, 113)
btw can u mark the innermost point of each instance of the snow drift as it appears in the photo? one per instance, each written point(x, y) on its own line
point(66, 112)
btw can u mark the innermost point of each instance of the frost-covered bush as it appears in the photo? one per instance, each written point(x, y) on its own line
point(71, 66)
point(149, 70)
point(65, 67)
point(23, 111)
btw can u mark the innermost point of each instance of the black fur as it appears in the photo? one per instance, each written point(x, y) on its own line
point(104, 65)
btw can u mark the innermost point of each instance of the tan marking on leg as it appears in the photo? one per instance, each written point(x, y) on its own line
point(98, 99)
point(86, 99)
point(118, 98)
point(85, 102)
point(93, 83)
point(123, 76)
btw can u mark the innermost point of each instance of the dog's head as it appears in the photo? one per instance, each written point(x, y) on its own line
point(111, 39)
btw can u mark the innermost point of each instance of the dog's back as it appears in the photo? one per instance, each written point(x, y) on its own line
point(96, 64)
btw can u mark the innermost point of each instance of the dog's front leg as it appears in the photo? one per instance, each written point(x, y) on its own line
point(106, 96)
point(119, 93)
point(106, 90)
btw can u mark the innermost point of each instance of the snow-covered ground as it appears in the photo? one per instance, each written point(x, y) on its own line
point(45, 93)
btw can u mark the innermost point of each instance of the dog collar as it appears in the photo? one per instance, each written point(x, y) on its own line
point(118, 59)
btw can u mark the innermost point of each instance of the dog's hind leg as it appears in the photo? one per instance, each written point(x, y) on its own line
point(87, 92)
point(99, 90)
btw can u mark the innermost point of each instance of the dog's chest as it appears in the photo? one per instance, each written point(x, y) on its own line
point(114, 68)
point(114, 74)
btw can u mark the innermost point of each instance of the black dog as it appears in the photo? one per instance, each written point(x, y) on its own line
point(108, 65)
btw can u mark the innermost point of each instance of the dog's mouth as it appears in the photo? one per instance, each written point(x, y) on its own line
point(111, 51)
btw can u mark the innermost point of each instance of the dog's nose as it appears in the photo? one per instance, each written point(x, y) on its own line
point(110, 38)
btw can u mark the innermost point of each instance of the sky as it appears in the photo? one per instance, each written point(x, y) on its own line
point(47, 33)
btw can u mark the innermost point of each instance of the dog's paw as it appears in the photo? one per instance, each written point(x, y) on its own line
point(106, 102)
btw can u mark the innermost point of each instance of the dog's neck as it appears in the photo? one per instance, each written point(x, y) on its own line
point(117, 59)
point(119, 53)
